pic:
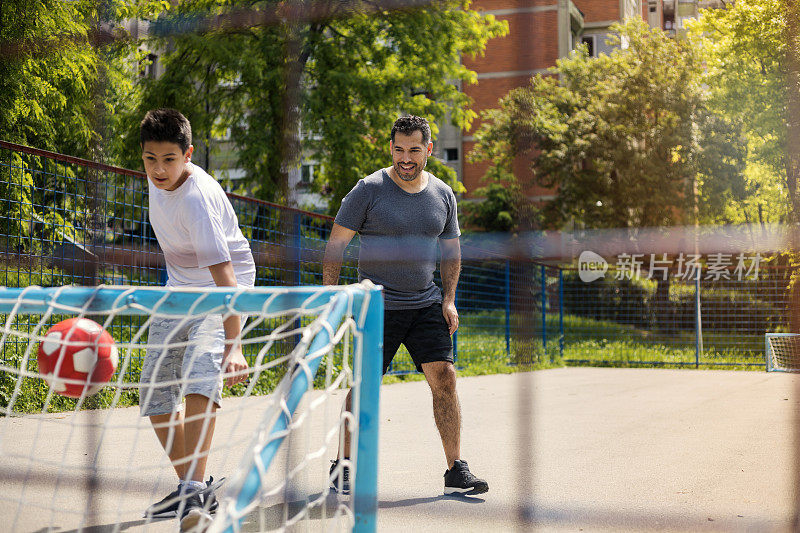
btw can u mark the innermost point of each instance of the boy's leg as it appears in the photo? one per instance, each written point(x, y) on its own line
point(162, 403)
point(169, 430)
point(187, 440)
point(198, 431)
point(202, 371)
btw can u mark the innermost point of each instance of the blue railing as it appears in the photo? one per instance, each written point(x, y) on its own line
point(65, 220)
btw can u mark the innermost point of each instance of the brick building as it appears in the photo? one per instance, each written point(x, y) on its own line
point(540, 32)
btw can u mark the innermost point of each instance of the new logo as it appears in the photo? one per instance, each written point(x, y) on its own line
point(591, 266)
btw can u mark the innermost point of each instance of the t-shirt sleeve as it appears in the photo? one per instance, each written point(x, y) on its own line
point(451, 229)
point(208, 236)
point(353, 211)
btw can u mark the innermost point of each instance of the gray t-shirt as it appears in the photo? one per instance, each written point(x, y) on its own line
point(399, 234)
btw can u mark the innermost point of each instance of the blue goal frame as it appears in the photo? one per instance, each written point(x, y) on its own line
point(360, 300)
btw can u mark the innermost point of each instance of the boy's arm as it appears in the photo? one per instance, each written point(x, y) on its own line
point(233, 360)
point(334, 250)
point(450, 269)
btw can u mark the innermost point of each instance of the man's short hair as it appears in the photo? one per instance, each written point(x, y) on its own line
point(408, 124)
point(166, 125)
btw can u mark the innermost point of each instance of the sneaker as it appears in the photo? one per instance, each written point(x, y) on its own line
point(168, 507)
point(459, 480)
point(194, 516)
point(344, 486)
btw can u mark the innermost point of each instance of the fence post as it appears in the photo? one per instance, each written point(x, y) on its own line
point(561, 312)
point(297, 242)
point(455, 335)
point(508, 308)
point(544, 307)
point(698, 322)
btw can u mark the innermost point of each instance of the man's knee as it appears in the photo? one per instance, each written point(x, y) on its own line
point(441, 376)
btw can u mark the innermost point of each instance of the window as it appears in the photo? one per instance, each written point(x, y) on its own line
point(150, 69)
point(306, 173)
point(451, 154)
point(588, 40)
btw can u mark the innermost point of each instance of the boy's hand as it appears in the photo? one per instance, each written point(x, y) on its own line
point(234, 361)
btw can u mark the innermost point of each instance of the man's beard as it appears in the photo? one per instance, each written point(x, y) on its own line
point(410, 177)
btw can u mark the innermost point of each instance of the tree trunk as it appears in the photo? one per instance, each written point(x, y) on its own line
point(793, 106)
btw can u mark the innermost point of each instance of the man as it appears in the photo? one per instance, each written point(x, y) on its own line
point(401, 213)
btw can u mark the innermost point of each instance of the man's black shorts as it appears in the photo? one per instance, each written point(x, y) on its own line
point(424, 332)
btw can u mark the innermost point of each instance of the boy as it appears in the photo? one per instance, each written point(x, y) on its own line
point(203, 246)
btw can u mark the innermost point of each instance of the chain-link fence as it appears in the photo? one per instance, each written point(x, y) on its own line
point(70, 221)
point(65, 220)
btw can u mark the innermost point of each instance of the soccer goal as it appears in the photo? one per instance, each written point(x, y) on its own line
point(782, 352)
point(93, 462)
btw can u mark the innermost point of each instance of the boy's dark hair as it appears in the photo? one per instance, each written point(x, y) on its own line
point(408, 124)
point(166, 125)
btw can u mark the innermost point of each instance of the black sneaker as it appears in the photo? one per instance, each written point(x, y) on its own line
point(344, 486)
point(194, 516)
point(459, 480)
point(168, 507)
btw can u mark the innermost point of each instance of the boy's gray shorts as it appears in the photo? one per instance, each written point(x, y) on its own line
point(194, 366)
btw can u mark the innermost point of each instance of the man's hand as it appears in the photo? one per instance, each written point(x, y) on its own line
point(232, 362)
point(450, 315)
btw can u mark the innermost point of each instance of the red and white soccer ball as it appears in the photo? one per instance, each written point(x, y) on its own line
point(77, 349)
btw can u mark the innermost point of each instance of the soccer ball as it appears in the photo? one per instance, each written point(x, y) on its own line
point(77, 349)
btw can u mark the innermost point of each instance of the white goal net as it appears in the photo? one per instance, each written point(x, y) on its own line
point(782, 352)
point(92, 463)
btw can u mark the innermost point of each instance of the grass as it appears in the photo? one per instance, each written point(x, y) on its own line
point(481, 350)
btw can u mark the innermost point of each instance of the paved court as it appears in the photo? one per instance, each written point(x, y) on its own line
point(612, 450)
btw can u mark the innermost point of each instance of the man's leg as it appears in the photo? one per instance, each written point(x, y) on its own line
point(395, 325)
point(344, 451)
point(441, 377)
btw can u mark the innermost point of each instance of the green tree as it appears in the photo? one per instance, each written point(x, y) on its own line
point(624, 139)
point(494, 211)
point(46, 81)
point(60, 90)
point(745, 50)
point(356, 73)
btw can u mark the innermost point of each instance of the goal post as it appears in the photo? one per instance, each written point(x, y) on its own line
point(782, 352)
point(314, 321)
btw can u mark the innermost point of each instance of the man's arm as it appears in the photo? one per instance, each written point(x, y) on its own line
point(450, 269)
point(334, 250)
point(233, 360)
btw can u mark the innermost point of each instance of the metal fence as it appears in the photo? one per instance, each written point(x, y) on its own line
point(715, 317)
point(65, 220)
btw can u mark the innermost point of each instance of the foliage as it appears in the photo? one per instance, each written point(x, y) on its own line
point(55, 86)
point(356, 73)
point(621, 138)
point(59, 91)
point(495, 210)
point(744, 49)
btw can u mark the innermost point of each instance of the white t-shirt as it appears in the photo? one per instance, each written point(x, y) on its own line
point(196, 227)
